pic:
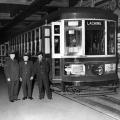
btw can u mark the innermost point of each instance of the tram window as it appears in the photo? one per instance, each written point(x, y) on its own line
point(57, 67)
point(47, 32)
point(37, 34)
point(29, 41)
point(37, 40)
point(33, 42)
point(57, 44)
point(25, 42)
point(47, 45)
point(57, 72)
point(73, 41)
point(3, 48)
point(56, 29)
point(94, 42)
point(110, 38)
point(20, 45)
point(94, 38)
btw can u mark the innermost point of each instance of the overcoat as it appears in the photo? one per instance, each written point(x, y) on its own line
point(11, 69)
point(41, 69)
point(26, 70)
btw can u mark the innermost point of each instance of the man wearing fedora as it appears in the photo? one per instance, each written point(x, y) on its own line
point(11, 70)
point(26, 76)
point(41, 69)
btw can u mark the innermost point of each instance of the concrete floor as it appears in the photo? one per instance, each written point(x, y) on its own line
point(57, 109)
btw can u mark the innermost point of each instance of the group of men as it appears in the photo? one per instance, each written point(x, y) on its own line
point(24, 72)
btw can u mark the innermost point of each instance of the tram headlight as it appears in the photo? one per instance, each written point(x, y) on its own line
point(98, 69)
point(74, 69)
point(110, 68)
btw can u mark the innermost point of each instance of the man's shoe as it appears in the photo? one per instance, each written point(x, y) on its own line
point(41, 98)
point(11, 100)
point(30, 98)
point(49, 98)
point(16, 99)
point(24, 98)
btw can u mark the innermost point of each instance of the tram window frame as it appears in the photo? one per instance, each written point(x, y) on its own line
point(3, 50)
point(93, 30)
point(37, 39)
point(56, 29)
point(40, 39)
point(26, 39)
point(29, 41)
point(57, 44)
point(47, 39)
point(56, 38)
point(14, 43)
point(57, 68)
point(73, 46)
point(46, 32)
point(33, 41)
point(20, 44)
point(111, 35)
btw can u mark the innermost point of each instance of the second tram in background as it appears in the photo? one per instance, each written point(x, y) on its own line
point(80, 45)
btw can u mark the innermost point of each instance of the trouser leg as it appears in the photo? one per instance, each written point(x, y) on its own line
point(41, 89)
point(24, 87)
point(16, 86)
point(29, 86)
point(47, 88)
point(12, 90)
point(9, 89)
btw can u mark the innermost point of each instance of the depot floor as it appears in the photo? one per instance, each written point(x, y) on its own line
point(59, 108)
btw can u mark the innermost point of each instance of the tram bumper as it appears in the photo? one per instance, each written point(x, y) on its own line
point(110, 79)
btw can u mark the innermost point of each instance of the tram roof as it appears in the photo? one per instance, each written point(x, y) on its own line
point(74, 13)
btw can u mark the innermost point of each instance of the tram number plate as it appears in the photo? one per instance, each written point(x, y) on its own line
point(78, 69)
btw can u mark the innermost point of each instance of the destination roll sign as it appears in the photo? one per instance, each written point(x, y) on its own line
point(94, 24)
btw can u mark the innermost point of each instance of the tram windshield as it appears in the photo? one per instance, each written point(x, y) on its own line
point(94, 37)
point(73, 34)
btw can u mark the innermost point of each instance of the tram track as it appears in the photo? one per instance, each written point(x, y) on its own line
point(103, 103)
point(110, 99)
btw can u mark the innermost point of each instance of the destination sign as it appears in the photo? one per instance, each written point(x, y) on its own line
point(92, 24)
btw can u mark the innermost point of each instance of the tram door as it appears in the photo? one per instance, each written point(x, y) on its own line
point(56, 52)
point(46, 45)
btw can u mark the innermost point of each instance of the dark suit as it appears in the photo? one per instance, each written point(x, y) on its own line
point(11, 70)
point(41, 69)
point(26, 71)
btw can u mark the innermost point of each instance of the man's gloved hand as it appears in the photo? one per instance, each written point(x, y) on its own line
point(8, 80)
point(20, 79)
point(31, 78)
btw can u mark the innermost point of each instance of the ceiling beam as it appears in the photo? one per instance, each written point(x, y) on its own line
point(6, 8)
point(72, 3)
point(35, 6)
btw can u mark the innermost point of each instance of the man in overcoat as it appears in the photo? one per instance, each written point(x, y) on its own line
point(41, 69)
point(11, 70)
point(26, 76)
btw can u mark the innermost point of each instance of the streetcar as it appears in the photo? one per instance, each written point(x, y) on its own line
point(79, 43)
